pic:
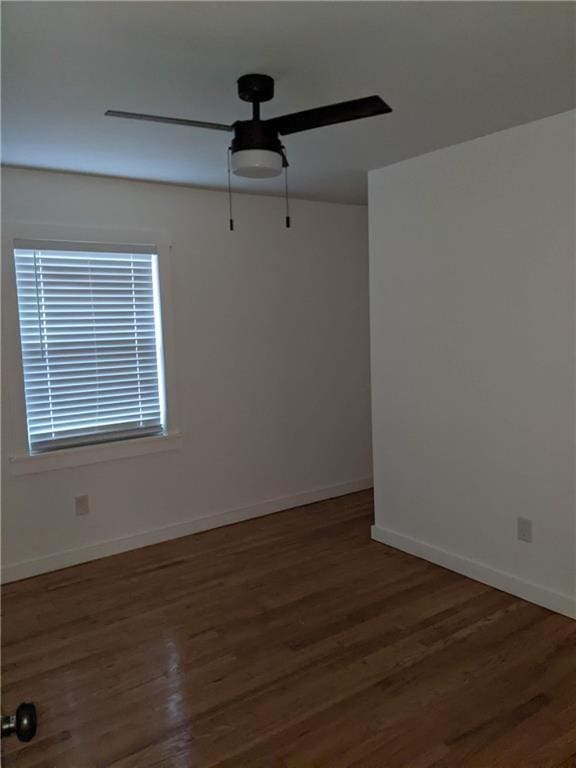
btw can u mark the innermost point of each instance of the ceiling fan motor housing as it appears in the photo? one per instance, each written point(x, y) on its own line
point(256, 150)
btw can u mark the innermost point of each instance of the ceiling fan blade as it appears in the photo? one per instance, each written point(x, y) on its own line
point(333, 113)
point(170, 120)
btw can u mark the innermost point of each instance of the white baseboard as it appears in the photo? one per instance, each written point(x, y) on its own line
point(534, 593)
point(53, 562)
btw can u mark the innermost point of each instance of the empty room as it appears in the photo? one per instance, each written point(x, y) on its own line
point(288, 384)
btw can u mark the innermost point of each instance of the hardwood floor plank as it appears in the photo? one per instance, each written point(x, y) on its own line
point(290, 641)
point(569, 763)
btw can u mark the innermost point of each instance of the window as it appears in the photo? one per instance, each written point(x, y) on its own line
point(91, 343)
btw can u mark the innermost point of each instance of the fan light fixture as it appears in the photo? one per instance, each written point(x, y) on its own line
point(256, 163)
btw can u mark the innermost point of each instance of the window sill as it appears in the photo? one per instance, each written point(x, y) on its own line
point(93, 454)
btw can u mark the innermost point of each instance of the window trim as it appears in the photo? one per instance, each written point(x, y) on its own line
point(80, 455)
point(22, 461)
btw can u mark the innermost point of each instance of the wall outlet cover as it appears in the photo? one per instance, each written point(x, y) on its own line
point(81, 505)
point(524, 529)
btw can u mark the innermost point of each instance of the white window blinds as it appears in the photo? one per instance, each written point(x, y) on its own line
point(91, 343)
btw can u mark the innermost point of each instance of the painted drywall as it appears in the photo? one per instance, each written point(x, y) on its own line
point(270, 334)
point(472, 253)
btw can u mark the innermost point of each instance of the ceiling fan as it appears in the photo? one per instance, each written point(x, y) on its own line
point(256, 149)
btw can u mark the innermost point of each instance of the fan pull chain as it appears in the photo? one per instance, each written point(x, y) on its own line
point(231, 219)
point(286, 196)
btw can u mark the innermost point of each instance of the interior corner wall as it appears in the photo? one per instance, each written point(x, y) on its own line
point(472, 269)
point(271, 339)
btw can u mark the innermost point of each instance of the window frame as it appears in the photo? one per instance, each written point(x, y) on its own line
point(21, 460)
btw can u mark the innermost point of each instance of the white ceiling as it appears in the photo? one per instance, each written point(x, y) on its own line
point(451, 71)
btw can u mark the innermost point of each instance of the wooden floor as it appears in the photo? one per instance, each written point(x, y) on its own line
point(291, 640)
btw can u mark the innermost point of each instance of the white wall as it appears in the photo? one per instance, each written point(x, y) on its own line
point(272, 377)
point(472, 331)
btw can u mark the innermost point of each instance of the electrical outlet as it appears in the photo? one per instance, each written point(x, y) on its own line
point(524, 529)
point(81, 505)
